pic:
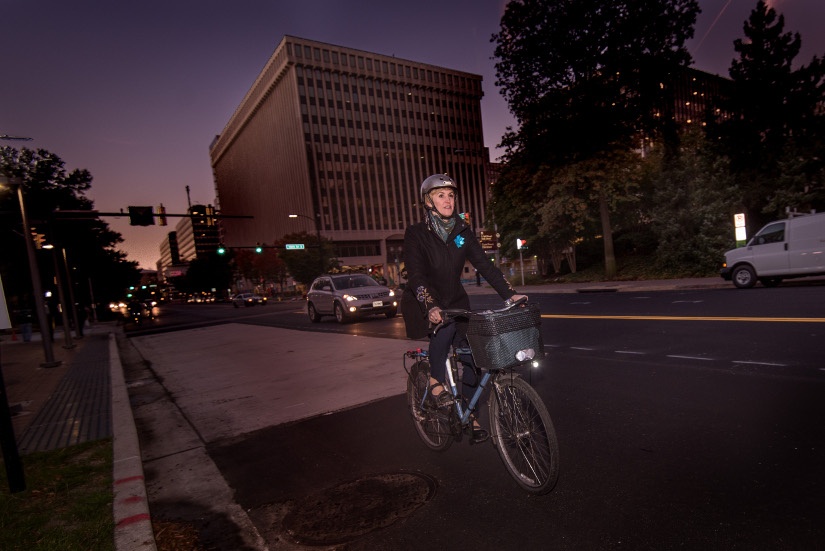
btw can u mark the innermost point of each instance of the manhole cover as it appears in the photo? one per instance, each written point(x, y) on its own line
point(357, 507)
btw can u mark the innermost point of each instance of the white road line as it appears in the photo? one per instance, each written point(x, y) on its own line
point(581, 348)
point(759, 363)
point(689, 357)
point(630, 352)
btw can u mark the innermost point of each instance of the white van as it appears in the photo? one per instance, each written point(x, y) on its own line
point(781, 250)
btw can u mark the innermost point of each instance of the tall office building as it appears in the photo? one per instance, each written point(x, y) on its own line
point(343, 138)
point(197, 235)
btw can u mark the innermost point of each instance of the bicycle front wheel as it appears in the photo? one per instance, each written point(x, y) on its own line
point(523, 434)
point(431, 424)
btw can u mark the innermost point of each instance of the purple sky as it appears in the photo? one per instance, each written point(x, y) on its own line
point(135, 91)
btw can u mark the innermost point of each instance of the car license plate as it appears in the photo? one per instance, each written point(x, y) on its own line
point(377, 304)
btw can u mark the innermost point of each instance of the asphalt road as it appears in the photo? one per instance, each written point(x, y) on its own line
point(685, 419)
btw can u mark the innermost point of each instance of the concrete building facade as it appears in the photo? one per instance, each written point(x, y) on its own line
point(343, 138)
point(197, 234)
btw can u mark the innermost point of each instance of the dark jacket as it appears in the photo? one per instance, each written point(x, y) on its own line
point(434, 273)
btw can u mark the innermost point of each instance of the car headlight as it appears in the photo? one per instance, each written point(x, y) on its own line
point(392, 293)
point(349, 298)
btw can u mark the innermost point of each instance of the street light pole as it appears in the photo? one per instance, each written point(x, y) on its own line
point(37, 288)
point(317, 221)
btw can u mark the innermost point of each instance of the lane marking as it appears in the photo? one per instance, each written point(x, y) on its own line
point(630, 352)
point(685, 318)
point(759, 363)
point(690, 358)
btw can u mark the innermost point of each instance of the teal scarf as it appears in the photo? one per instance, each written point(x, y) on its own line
point(442, 227)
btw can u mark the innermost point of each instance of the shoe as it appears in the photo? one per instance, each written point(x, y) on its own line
point(443, 398)
point(478, 435)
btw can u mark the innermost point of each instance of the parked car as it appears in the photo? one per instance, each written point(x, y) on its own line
point(783, 249)
point(347, 296)
point(247, 299)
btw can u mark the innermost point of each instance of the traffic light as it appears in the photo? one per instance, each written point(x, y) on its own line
point(161, 215)
point(38, 238)
point(221, 249)
point(259, 248)
point(141, 216)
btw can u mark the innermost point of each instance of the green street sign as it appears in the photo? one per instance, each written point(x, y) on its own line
point(292, 246)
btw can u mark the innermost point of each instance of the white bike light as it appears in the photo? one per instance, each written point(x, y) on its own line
point(526, 354)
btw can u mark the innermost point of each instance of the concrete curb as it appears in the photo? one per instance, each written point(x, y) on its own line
point(133, 525)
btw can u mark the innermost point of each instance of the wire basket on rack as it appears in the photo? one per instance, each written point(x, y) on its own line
point(496, 338)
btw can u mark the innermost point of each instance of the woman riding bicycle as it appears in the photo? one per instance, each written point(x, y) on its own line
point(435, 251)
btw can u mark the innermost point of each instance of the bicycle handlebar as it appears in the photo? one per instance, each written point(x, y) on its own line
point(449, 315)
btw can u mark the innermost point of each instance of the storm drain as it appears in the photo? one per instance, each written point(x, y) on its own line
point(352, 509)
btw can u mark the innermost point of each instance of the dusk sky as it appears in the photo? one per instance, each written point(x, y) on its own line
point(135, 92)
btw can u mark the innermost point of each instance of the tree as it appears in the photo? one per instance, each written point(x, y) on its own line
point(777, 120)
point(89, 243)
point(692, 206)
point(264, 266)
point(303, 264)
point(583, 76)
point(584, 80)
point(205, 274)
point(607, 179)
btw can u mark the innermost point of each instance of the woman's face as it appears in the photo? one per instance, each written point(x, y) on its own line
point(444, 201)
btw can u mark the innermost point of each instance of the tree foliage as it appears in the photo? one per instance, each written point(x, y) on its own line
point(776, 121)
point(583, 76)
point(307, 264)
point(206, 274)
point(692, 206)
point(97, 266)
point(586, 80)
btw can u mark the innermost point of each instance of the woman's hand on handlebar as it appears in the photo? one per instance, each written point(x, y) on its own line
point(435, 315)
point(516, 300)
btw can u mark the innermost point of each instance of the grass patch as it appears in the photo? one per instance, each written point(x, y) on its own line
point(67, 503)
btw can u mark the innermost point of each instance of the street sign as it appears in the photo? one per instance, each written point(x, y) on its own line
point(488, 241)
point(292, 246)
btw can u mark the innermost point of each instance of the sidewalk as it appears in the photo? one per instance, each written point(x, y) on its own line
point(83, 399)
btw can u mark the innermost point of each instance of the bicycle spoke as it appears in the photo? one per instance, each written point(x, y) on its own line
point(525, 437)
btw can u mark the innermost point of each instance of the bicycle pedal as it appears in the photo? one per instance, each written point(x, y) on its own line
point(478, 436)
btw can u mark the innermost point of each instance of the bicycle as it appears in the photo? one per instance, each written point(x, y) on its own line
point(521, 428)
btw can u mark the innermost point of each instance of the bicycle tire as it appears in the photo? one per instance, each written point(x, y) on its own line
point(524, 435)
point(431, 424)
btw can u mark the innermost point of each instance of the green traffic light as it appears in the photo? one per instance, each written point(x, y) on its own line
point(221, 249)
point(259, 249)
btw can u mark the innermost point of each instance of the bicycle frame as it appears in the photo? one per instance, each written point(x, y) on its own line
point(464, 414)
point(520, 425)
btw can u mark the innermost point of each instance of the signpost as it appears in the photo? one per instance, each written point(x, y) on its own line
point(739, 227)
point(11, 456)
point(521, 244)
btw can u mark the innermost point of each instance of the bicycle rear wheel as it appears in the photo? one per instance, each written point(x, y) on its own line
point(523, 434)
point(431, 424)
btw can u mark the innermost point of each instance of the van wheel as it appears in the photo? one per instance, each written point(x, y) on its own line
point(744, 277)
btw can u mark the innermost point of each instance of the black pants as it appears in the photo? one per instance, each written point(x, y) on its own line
point(440, 350)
